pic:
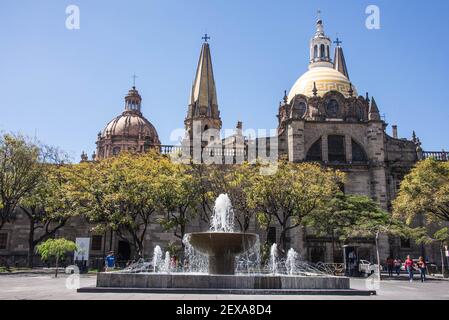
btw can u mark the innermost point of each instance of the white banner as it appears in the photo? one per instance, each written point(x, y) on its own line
point(83, 249)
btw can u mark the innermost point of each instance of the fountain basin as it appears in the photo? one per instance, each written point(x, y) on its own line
point(221, 248)
point(203, 281)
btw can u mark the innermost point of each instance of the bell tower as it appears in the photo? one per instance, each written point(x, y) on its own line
point(203, 117)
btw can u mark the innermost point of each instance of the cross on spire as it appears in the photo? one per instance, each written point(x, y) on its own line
point(206, 37)
point(338, 42)
point(318, 15)
point(134, 80)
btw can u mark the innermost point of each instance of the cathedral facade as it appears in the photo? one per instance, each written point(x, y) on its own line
point(322, 119)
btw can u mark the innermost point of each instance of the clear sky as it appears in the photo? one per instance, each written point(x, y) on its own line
point(65, 85)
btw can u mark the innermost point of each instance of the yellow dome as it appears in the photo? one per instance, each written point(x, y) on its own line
point(326, 79)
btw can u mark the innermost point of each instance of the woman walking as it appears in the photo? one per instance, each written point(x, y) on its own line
point(422, 268)
point(397, 266)
point(409, 268)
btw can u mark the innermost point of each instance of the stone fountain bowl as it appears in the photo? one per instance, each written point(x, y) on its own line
point(221, 248)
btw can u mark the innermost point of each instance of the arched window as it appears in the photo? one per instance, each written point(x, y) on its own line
point(336, 148)
point(315, 52)
point(328, 54)
point(314, 153)
point(322, 53)
point(358, 154)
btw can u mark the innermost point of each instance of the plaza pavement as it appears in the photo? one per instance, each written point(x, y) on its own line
point(19, 287)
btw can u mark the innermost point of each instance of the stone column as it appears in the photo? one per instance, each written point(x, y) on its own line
point(348, 147)
point(295, 138)
point(324, 148)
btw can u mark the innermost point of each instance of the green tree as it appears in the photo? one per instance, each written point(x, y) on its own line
point(49, 206)
point(291, 193)
point(424, 191)
point(340, 212)
point(179, 197)
point(371, 222)
point(19, 173)
point(56, 248)
point(121, 193)
point(236, 182)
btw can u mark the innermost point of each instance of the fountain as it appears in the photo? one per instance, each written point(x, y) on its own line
point(224, 261)
point(221, 244)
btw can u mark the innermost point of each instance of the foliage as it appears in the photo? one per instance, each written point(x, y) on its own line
point(425, 190)
point(50, 205)
point(179, 196)
point(19, 173)
point(56, 248)
point(236, 182)
point(122, 193)
point(291, 193)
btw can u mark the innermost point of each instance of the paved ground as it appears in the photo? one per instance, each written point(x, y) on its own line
point(47, 287)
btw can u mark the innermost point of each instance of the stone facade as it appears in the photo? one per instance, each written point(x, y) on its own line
point(321, 119)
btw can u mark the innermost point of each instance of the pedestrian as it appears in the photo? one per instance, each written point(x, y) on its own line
point(110, 261)
point(397, 266)
point(409, 267)
point(390, 266)
point(422, 266)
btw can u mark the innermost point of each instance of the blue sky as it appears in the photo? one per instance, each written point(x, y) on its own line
point(65, 85)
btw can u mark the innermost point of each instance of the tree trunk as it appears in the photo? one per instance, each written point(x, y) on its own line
point(378, 256)
point(443, 267)
point(57, 265)
point(31, 245)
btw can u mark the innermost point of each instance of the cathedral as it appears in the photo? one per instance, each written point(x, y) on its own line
point(323, 118)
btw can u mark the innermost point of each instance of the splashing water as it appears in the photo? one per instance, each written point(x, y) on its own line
point(273, 262)
point(249, 261)
point(166, 264)
point(157, 258)
point(193, 260)
point(222, 219)
point(290, 262)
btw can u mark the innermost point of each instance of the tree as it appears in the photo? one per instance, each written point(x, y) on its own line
point(424, 191)
point(371, 221)
point(121, 193)
point(441, 236)
point(236, 182)
point(342, 211)
point(49, 206)
point(179, 196)
point(56, 248)
point(19, 173)
point(291, 193)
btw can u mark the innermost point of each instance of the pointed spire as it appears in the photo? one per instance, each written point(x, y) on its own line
point(285, 97)
point(203, 98)
point(367, 97)
point(373, 111)
point(339, 60)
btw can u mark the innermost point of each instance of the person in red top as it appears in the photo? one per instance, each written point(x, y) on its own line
point(409, 267)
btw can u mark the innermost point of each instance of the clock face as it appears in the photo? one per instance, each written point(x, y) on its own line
point(332, 108)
